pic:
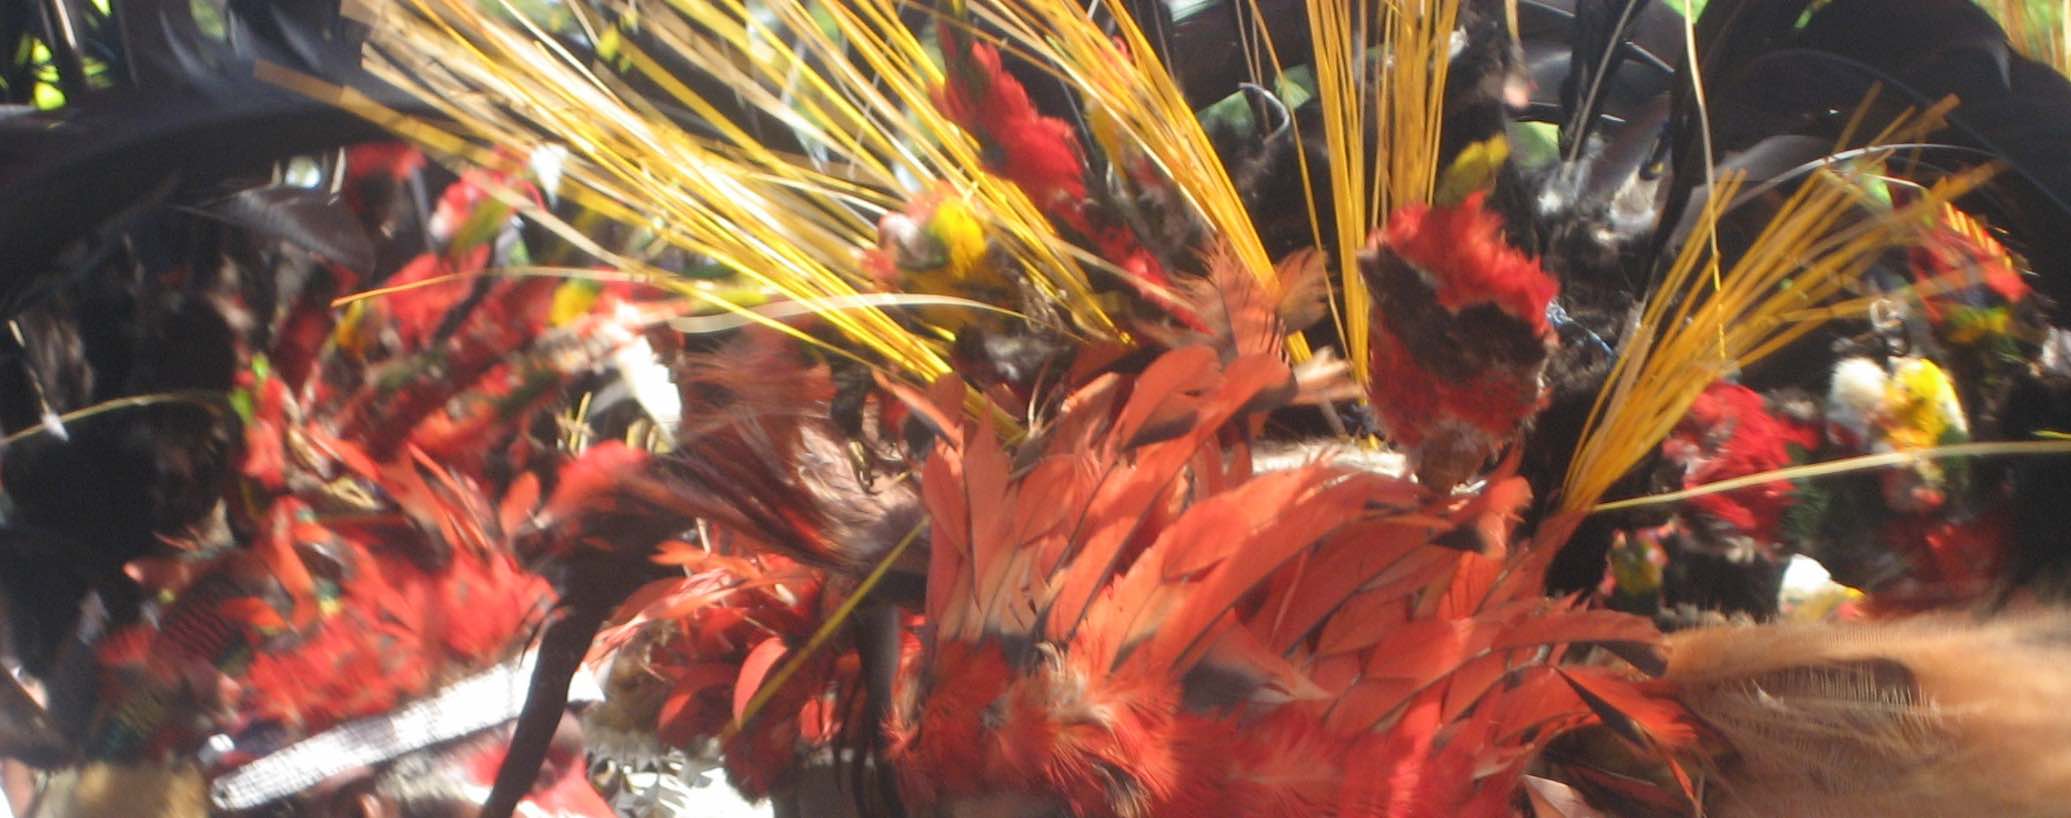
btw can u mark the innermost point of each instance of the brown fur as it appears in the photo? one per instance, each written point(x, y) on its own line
point(1935, 717)
point(114, 791)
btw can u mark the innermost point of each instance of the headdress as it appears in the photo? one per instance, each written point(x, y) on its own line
point(984, 501)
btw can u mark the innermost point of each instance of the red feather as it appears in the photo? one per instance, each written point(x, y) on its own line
point(1460, 249)
point(757, 665)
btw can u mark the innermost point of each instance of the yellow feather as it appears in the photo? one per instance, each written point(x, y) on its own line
point(1921, 405)
point(1474, 169)
point(962, 237)
point(572, 300)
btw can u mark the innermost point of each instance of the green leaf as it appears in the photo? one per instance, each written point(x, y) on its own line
point(1688, 7)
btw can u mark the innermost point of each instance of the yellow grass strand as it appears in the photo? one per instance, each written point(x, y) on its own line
point(1404, 87)
point(1138, 111)
point(1340, 71)
point(2040, 30)
point(1868, 462)
point(195, 397)
point(1693, 332)
point(834, 623)
point(794, 226)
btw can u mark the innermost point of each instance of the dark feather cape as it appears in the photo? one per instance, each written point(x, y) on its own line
point(128, 224)
point(1765, 76)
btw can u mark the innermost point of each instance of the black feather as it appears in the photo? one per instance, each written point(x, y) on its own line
point(62, 182)
point(1728, 34)
point(2040, 551)
point(1602, 28)
point(311, 219)
point(1209, 43)
point(308, 35)
point(27, 732)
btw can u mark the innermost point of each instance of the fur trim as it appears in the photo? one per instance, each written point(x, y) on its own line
point(125, 791)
